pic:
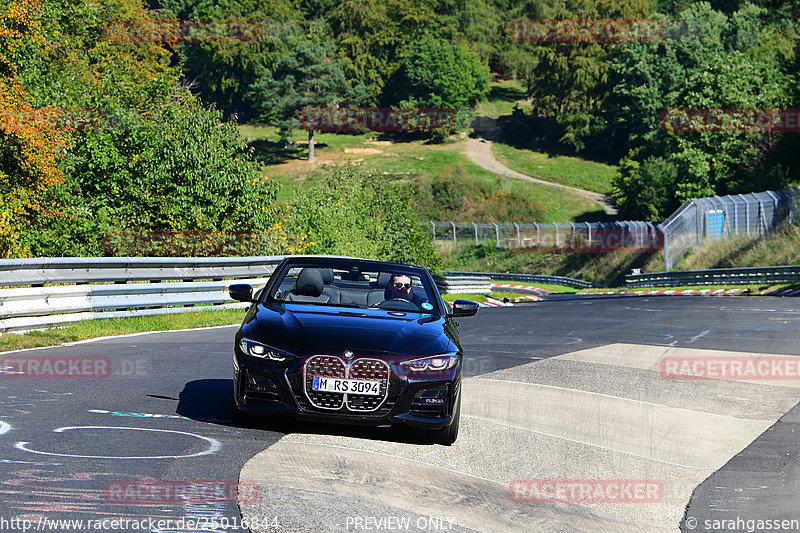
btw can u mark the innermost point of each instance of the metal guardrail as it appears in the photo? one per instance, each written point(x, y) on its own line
point(86, 288)
point(718, 276)
point(454, 284)
point(553, 280)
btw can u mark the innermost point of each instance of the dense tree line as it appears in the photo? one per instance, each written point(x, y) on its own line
point(599, 99)
point(101, 134)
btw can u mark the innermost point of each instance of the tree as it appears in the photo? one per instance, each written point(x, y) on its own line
point(225, 69)
point(438, 73)
point(360, 214)
point(707, 60)
point(307, 77)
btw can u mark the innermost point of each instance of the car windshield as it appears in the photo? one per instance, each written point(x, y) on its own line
point(395, 289)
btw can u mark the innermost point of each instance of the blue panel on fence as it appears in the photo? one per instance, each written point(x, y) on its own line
point(716, 218)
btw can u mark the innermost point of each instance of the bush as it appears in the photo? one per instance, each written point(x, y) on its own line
point(360, 214)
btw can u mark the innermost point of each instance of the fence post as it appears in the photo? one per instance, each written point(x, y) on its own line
point(433, 225)
point(589, 230)
point(746, 214)
point(497, 234)
point(667, 258)
point(474, 225)
point(455, 242)
point(538, 235)
point(557, 241)
point(519, 242)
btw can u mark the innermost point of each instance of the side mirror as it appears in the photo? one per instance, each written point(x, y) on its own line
point(241, 291)
point(464, 308)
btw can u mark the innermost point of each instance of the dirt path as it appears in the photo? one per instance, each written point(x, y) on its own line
point(479, 150)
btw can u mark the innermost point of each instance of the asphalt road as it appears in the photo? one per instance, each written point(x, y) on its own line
point(559, 389)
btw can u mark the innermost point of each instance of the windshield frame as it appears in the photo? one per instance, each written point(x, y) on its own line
point(364, 265)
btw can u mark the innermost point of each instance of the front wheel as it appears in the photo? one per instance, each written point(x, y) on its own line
point(448, 435)
point(238, 418)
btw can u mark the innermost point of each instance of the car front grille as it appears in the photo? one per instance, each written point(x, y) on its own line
point(328, 367)
point(335, 367)
point(372, 369)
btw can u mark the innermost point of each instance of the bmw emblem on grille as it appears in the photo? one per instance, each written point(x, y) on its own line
point(348, 354)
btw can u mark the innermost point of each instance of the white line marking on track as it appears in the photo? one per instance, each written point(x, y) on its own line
point(4, 427)
point(214, 445)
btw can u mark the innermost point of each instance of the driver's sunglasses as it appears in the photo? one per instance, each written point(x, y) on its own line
point(401, 285)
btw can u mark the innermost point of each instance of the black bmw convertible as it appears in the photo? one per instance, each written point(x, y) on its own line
point(336, 339)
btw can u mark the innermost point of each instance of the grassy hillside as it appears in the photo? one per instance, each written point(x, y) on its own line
point(782, 248)
point(566, 170)
point(471, 193)
point(606, 269)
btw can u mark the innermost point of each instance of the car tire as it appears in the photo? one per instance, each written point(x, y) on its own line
point(448, 435)
point(238, 418)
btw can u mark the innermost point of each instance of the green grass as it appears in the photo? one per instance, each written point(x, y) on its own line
point(89, 329)
point(606, 269)
point(409, 160)
point(565, 170)
point(482, 298)
point(549, 287)
point(503, 96)
point(782, 248)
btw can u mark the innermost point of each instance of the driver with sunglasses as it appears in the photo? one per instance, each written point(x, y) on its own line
point(400, 287)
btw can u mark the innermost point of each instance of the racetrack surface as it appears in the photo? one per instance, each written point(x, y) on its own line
point(567, 388)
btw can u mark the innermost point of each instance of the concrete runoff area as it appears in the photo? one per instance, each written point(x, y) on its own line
point(604, 413)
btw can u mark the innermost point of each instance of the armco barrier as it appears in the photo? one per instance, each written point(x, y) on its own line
point(455, 284)
point(552, 280)
point(86, 288)
point(718, 276)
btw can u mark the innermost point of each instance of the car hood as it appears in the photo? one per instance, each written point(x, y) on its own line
point(333, 330)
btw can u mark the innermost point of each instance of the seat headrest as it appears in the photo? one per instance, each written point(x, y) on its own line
point(309, 282)
point(384, 278)
point(327, 275)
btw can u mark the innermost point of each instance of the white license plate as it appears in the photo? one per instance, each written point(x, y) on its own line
point(353, 386)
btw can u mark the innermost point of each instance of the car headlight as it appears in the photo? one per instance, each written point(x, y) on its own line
point(256, 349)
point(433, 363)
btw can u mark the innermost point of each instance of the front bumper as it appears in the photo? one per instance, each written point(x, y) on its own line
point(264, 387)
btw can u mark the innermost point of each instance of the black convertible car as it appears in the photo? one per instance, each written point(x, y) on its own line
point(347, 340)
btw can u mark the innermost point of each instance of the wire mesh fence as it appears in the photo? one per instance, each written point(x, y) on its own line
point(717, 217)
point(573, 237)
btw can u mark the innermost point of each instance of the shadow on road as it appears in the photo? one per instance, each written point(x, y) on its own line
point(209, 400)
